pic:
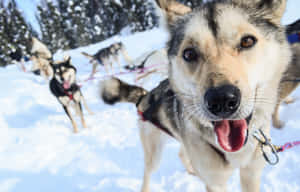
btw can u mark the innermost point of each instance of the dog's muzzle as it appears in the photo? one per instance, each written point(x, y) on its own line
point(223, 101)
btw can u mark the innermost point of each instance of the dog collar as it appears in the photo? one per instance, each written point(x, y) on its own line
point(293, 38)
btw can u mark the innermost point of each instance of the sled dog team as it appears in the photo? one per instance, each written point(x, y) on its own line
point(230, 67)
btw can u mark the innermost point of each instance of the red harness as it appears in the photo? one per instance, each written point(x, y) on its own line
point(70, 95)
point(158, 125)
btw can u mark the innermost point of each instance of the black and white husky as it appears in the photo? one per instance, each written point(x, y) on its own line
point(107, 56)
point(226, 61)
point(64, 87)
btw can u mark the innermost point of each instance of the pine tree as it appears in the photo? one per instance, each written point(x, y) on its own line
point(15, 33)
point(51, 26)
point(20, 34)
point(142, 15)
point(79, 21)
point(5, 46)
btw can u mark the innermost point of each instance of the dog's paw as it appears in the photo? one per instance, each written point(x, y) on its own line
point(289, 100)
point(278, 124)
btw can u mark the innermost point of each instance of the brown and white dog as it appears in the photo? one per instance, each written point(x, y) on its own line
point(226, 61)
point(41, 58)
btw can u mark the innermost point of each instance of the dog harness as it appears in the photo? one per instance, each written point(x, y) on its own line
point(69, 94)
point(154, 122)
point(151, 112)
point(293, 38)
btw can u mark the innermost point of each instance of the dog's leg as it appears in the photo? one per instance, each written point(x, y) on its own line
point(126, 57)
point(250, 176)
point(85, 105)
point(186, 161)
point(78, 107)
point(81, 114)
point(94, 69)
point(289, 100)
point(153, 142)
point(71, 118)
point(275, 117)
point(106, 64)
point(284, 91)
point(116, 59)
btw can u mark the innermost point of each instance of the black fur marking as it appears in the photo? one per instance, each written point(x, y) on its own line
point(177, 36)
point(162, 95)
point(37, 72)
point(265, 3)
point(211, 18)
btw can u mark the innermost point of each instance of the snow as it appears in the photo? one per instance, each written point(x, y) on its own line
point(39, 152)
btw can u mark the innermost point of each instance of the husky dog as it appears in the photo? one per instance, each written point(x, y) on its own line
point(104, 56)
point(226, 62)
point(41, 58)
point(64, 87)
point(291, 78)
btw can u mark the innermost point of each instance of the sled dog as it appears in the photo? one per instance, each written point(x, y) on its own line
point(226, 61)
point(64, 87)
point(104, 57)
point(41, 58)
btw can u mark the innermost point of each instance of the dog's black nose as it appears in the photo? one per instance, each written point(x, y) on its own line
point(223, 101)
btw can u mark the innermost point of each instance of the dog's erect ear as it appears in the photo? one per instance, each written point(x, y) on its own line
point(67, 59)
point(173, 9)
point(272, 10)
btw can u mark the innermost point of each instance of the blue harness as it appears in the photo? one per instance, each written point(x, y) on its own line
point(293, 38)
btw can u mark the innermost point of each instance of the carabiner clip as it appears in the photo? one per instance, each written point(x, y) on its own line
point(271, 157)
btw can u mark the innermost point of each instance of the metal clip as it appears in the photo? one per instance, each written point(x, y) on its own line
point(272, 158)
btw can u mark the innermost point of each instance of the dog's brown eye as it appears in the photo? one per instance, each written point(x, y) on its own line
point(190, 55)
point(248, 42)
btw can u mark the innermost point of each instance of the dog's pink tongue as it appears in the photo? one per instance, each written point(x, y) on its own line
point(231, 134)
point(66, 85)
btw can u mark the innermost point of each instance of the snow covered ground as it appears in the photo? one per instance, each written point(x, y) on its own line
point(40, 153)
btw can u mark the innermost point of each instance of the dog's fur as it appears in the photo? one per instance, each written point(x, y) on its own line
point(215, 31)
point(106, 55)
point(41, 58)
point(64, 87)
point(287, 85)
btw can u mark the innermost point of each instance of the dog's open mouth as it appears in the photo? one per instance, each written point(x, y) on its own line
point(66, 85)
point(232, 134)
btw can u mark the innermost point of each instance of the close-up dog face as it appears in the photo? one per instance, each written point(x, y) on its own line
point(226, 60)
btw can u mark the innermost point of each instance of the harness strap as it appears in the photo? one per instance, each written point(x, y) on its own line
point(157, 124)
point(288, 145)
point(70, 95)
point(293, 38)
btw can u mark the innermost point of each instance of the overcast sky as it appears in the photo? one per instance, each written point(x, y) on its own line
point(29, 9)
